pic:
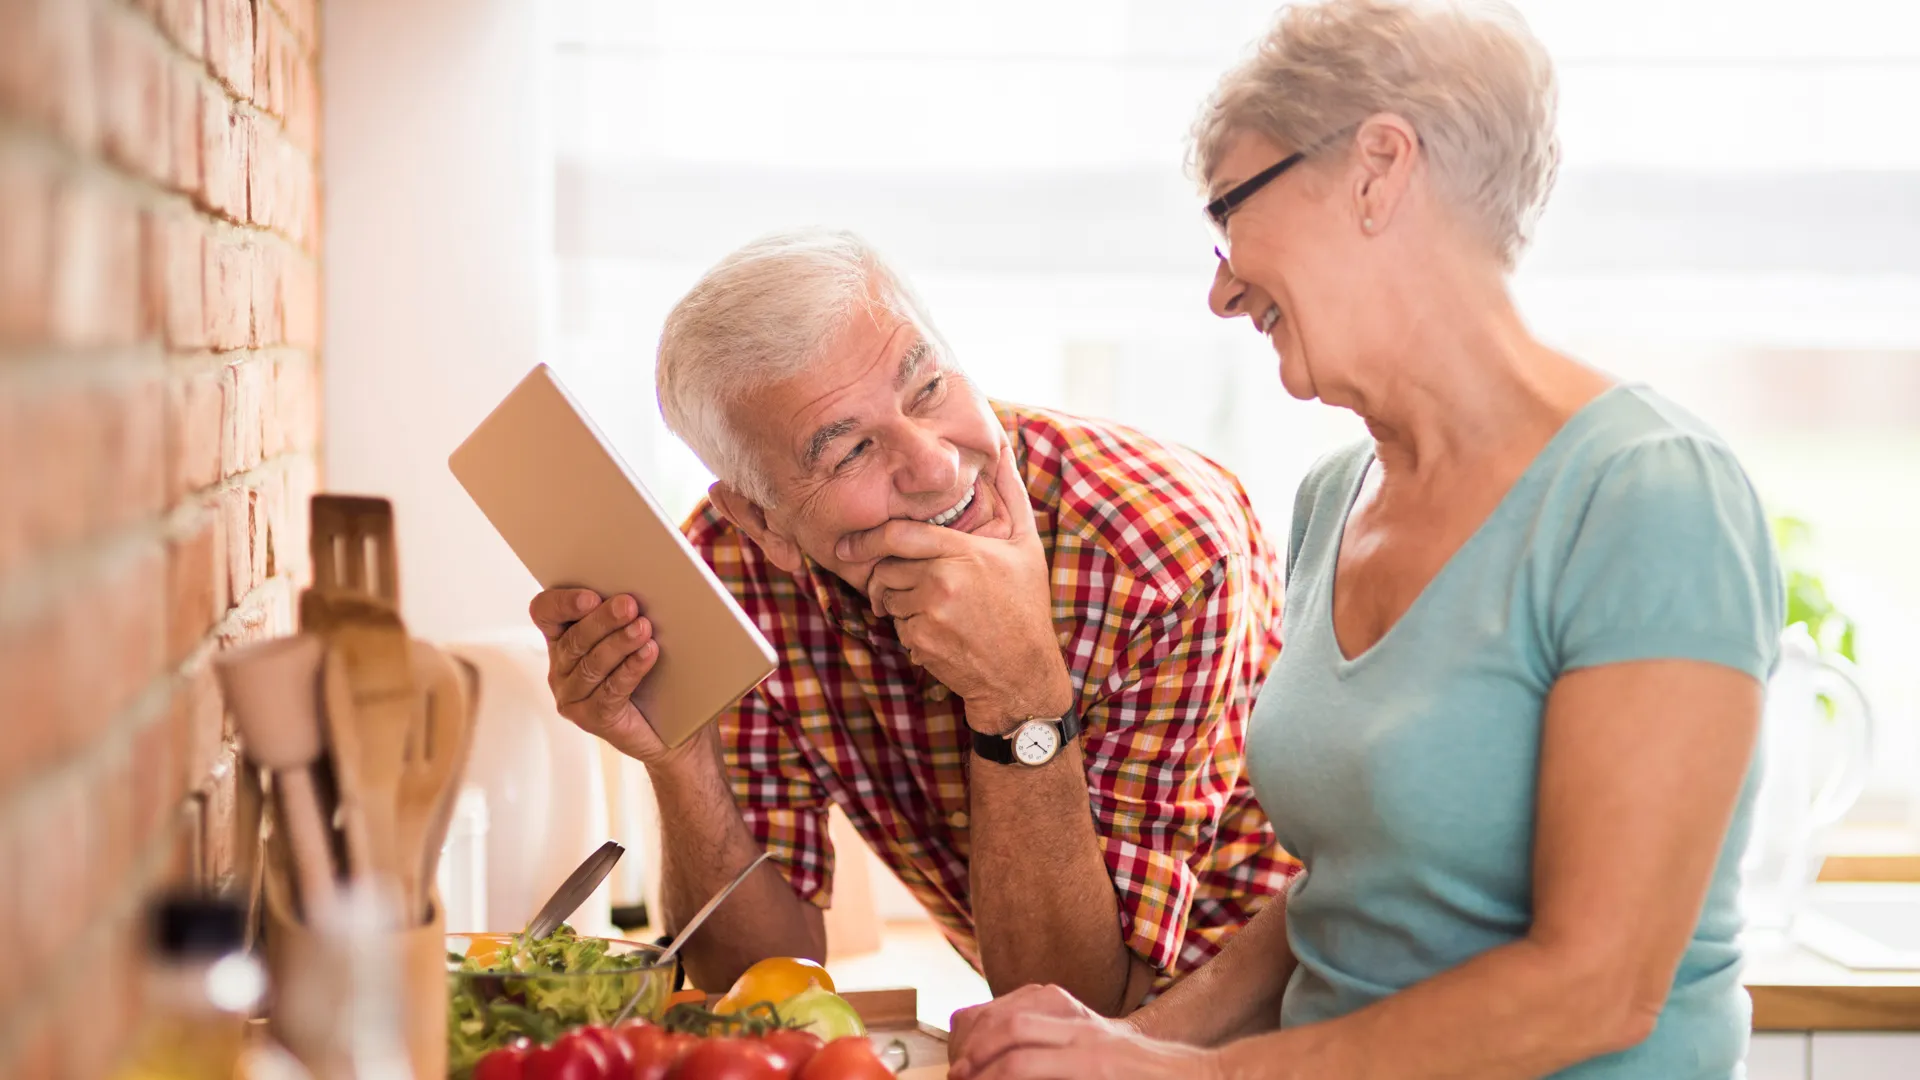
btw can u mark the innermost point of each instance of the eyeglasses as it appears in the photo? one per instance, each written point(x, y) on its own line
point(1223, 207)
point(1219, 209)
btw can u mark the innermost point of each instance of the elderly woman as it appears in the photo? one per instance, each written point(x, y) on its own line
point(1527, 623)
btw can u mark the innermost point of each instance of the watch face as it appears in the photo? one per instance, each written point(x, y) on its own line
point(1036, 742)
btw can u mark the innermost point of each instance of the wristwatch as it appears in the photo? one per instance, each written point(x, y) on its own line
point(1032, 744)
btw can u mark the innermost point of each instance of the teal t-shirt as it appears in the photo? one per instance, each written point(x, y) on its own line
point(1404, 779)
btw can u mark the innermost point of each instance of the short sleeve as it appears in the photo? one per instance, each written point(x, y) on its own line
point(784, 806)
point(1672, 560)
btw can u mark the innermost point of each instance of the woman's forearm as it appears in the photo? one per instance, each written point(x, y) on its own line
point(1234, 995)
point(1517, 1011)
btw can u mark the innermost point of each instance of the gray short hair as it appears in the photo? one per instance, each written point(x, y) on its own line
point(761, 315)
point(1469, 76)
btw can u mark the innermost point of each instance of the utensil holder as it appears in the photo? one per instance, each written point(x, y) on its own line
point(308, 1024)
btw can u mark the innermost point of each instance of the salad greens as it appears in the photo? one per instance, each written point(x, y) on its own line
point(539, 987)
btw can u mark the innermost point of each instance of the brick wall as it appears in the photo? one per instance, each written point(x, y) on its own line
point(159, 316)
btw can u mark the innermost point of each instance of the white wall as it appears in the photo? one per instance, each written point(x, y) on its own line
point(438, 235)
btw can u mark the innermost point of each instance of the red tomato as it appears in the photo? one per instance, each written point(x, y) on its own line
point(797, 1047)
point(507, 1063)
point(731, 1059)
point(619, 1054)
point(574, 1056)
point(851, 1058)
point(655, 1049)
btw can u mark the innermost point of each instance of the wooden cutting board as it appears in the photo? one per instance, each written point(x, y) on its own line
point(895, 1014)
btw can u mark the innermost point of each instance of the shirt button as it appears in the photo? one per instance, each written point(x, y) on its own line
point(957, 819)
point(938, 692)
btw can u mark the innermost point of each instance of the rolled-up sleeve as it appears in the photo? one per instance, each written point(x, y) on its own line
point(1156, 788)
point(784, 806)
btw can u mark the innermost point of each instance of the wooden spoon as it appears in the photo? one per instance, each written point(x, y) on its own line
point(436, 758)
point(273, 690)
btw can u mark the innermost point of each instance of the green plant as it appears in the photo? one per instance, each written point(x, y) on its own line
point(1807, 601)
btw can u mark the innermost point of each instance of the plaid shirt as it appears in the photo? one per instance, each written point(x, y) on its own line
point(1166, 599)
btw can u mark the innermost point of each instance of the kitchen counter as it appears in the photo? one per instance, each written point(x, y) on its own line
point(1795, 989)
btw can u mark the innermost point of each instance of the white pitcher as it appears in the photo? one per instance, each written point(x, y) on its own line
point(1796, 804)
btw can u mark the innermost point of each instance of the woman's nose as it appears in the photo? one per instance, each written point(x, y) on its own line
point(930, 463)
point(1227, 294)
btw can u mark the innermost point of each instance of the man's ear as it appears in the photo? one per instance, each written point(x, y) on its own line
point(749, 518)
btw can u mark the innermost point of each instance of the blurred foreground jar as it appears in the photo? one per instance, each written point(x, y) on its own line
point(201, 985)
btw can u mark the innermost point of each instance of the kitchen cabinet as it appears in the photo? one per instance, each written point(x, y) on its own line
point(1864, 1055)
point(1814, 1019)
point(1778, 1055)
point(1834, 1055)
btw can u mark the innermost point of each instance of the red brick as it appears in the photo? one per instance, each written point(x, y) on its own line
point(54, 859)
point(303, 107)
point(259, 138)
point(273, 55)
point(302, 478)
point(118, 635)
point(175, 279)
point(46, 67)
point(159, 779)
point(282, 180)
point(101, 1008)
point(90, 654)
point(185, 22)
point(88, 463)
point(240, 508)
point(96, 258)
point(15, 489)
point(218, 845)
point(222, 167)
point(293, 412)
point(269, 318)
point(30, 665)
point(230, 44)
point(186, 130)
point(132, 83)
point(229, 292)
point(301, 20)
point(13, 930)
point(26, 246)
point(240, 149)
point(240, 440)
point(195, 587)
point(196, 422)
point(130, 482)
point(300, 303)
point(199, 720)
point(110, 802)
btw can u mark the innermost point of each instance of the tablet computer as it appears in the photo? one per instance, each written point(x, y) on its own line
point(574, 513)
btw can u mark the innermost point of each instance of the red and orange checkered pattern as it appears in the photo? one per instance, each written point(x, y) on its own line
point(1166, 599)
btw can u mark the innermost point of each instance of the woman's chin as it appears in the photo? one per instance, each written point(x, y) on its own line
point(1293, 377)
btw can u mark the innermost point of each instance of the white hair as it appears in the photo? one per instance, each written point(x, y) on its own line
point(762, 315)
point(1470, 77)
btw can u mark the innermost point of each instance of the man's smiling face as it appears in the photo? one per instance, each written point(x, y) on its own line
point(883, 427)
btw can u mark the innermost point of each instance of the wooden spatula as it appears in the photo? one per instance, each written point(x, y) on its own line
point(372, 703)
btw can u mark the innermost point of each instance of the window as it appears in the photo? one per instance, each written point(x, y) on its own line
point(1738, 222)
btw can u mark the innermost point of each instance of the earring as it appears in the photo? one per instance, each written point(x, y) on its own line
point(1367, 224)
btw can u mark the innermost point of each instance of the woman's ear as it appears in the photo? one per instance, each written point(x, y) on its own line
point(1387, 148)
point(749, 518)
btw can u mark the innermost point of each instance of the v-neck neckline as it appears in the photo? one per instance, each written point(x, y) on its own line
point(1347, 665)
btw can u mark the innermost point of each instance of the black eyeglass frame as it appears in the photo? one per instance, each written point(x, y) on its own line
point(1226, 204)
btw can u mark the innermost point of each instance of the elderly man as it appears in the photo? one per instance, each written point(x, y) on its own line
point(1017, 648)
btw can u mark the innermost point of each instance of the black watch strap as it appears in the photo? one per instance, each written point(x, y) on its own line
point(999, 748)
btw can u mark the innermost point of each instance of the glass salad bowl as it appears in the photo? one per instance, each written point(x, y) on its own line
point(501, 987)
